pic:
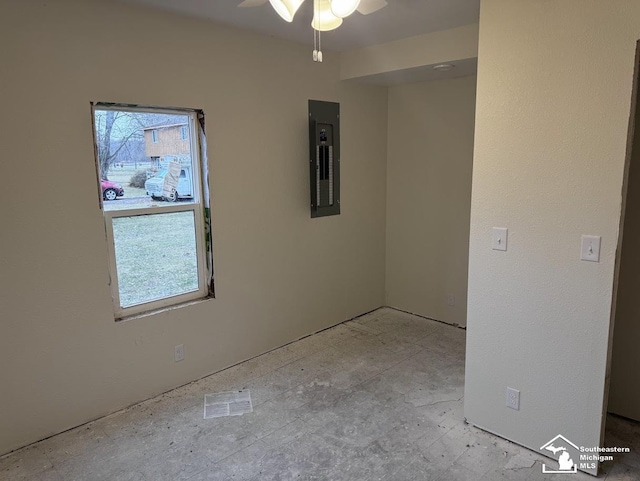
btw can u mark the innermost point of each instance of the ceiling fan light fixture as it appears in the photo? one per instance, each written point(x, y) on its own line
point(323, 18)
point(286, 8)
point(344, 8)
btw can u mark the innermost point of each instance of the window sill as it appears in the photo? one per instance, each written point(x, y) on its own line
point(153, 312)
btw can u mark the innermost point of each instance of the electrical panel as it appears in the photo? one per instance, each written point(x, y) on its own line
point(324, 157)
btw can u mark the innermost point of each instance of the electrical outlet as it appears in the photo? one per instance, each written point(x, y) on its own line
point(513, 398)
point(451, 300)
point(179, 353)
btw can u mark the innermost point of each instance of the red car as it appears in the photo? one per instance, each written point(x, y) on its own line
point(111, 190)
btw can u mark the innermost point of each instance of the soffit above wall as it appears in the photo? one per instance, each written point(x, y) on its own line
point(400, 19)
point(413, 59)
point(425, 73)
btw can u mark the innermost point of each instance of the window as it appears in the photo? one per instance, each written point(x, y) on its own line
point(184, 132)
point(154, 208)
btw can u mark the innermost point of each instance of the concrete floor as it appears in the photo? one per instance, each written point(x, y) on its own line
point(377, 398)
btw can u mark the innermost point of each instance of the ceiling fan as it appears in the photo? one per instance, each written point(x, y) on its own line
point(327, 8)
point(327, 14)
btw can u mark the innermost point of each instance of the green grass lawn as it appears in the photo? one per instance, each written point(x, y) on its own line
point(155, 256)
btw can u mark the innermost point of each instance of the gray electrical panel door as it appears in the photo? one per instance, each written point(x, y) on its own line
point(324, 157)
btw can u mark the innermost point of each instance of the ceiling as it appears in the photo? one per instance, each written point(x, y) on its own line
point(400, 19)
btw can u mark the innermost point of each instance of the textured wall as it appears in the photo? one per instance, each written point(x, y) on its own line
point(430, 154)
point(553, 103)
point(279, 274)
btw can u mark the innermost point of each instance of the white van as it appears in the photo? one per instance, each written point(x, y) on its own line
point(184, 190)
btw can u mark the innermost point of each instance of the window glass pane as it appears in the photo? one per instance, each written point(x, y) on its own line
point(155, 256)
point(140, 157)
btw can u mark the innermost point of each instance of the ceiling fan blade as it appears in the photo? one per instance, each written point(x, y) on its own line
point(251, 3)
point(369, 6)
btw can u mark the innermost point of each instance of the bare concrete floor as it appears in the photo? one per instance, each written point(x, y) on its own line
point(377, 398)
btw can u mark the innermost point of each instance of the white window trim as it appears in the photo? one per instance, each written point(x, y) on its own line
point(195, 205)
point(154, 136)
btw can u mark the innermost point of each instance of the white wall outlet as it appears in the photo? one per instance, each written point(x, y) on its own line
point(590, 249)
point(451, 300)
point(513, 398)
point(499, 239)
point(179, 353)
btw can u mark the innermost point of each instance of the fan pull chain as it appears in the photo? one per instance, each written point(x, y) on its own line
point(317, 40)
point(315, 46)
point(315, 33)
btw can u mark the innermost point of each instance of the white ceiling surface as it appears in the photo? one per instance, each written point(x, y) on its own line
point(400, 19)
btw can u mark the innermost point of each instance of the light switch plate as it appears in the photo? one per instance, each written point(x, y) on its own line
point(590, 249)
point(499, 240)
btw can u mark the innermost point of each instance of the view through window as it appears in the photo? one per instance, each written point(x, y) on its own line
point(150, 184)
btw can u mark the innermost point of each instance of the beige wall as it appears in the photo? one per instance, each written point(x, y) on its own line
point(279, 274)
point(553, 102)
point(624, 394)
point(430, 149)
